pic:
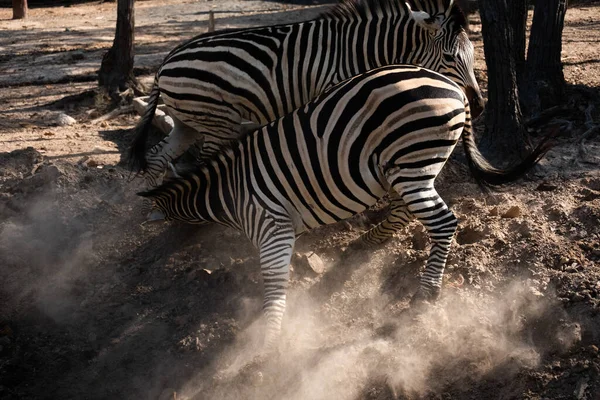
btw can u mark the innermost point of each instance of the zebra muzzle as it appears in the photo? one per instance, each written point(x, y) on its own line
point(155, 216)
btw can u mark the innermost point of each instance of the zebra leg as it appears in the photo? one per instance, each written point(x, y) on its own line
point(398, 218)
point(429, 208)
point(172, 146)
point(275, 250)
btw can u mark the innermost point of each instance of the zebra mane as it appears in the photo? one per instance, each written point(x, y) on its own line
point(363, 8)
point(368, 8)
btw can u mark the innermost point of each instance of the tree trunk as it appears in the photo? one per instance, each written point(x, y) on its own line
point(504, 136)
point(19, 9)
point(116, 70)
point(517, 15)
point(545, 79)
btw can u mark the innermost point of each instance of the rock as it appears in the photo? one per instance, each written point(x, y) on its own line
point(494, 212)
point(513, 212)
point(63, 119)
point(308, 264)
point(420, 238)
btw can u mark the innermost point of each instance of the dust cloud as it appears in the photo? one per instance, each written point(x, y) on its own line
point(50, 249)
point(44, 256)
point(464, 338)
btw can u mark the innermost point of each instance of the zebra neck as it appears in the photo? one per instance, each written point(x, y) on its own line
point(216, 190)
point(363, 43)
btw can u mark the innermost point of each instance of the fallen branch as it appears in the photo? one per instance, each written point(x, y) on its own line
point(114, 113)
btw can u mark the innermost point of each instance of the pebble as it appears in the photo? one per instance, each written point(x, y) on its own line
point(512, 212)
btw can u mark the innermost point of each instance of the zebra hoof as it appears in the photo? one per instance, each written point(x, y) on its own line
point(425, 296)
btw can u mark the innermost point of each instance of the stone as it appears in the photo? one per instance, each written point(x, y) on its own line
point(308, 264)
point(513, 212)
point(63, 119)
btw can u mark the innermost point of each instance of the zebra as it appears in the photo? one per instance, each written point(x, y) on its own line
point(214, 81)
point(389, 129)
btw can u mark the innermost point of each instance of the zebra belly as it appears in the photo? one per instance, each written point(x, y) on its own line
point(308, 211)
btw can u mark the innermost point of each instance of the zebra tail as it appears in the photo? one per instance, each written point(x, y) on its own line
point(485, 173)
point(137, 150)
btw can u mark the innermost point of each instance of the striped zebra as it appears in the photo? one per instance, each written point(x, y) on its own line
point(213, 82)
point(390, 129)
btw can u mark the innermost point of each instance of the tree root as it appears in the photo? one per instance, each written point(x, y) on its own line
point(546, 115)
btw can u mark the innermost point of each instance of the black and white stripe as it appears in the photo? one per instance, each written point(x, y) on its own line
point(213, 82)
point(390, 129)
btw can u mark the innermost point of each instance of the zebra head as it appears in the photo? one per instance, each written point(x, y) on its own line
point(450, 52)
point(171, 202)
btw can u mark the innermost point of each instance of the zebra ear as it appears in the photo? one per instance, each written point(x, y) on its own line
point(432, 23)
point(448, 10)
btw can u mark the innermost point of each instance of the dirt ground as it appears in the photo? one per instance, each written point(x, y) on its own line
point(96, 305)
